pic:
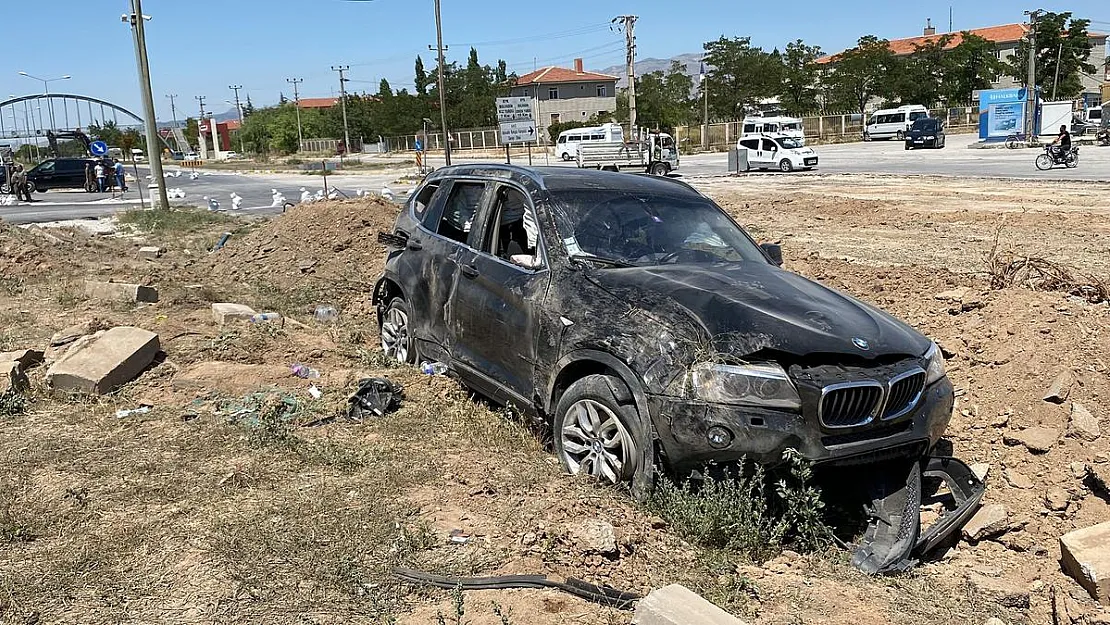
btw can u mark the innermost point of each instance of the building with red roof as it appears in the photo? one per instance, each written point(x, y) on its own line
point(560, 94)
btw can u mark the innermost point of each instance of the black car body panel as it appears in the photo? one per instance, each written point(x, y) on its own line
point(514, 334)
point(59, 173)
point(926, 133)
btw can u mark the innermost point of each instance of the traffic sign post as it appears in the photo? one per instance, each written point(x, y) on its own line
point(518, 123)
point(518, 132)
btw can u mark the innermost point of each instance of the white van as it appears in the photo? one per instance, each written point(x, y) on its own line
point(778, 126)
point(566, 147)
point(779, 152)
point(893, 123)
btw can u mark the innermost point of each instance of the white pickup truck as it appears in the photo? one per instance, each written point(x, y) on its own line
point(654, 153)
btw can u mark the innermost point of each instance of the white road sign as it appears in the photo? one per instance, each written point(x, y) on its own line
point(516, 108)
point(518, 132)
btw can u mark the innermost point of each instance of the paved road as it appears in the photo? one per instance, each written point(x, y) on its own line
point(877, 158)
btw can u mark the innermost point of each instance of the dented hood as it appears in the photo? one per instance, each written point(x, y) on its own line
point(761, 306)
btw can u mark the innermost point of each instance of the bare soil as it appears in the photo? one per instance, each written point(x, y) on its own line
point(239, 498)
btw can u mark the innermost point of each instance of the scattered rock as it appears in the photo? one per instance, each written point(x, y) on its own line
point(1083, 425)
point(953, 295)
point(1078, 470)
point(12, 378)
point(1058, 391)
point(71, 334)
point(678, 605)
point(528, 539)
point(1099, 478)
point(1005, 593)
point(1018, 480)
point(150, 253)
point(1036, 439)
point(990, 520)
point(1057, 499)
point(26, 358)
point(119, 291)
point(657, 523)
point(225, 313)
point(1085, 556)
point(981, 470)
point(106, 363)
point(595, 537)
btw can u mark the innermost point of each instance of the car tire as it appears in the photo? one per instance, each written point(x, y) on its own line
point(31, 188)
point(785, 166)
point(660, 169)
point(901, 136)
point(909, 147)
point(566, 157)
point(866, 136)
point(5, 189)
point(395, 328)
point(595, 430)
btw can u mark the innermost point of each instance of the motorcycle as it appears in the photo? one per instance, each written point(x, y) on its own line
point(1103, 137)
point(1052, 158)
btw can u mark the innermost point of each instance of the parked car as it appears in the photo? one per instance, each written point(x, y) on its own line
point(893, 123)
point(926, 133)
point(646, 326)
point(778, 151)
point(59, 173)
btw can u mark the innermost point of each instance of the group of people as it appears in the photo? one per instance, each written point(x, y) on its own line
point(105, 175)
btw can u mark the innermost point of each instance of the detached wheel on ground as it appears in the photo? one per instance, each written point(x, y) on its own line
point(659, 169)
point(594, 430)
point(397, 341)
point(786, 166)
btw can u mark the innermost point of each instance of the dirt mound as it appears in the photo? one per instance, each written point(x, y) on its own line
point(324, 251)
point(34, 252)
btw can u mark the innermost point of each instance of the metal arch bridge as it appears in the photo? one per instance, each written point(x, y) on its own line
point(30, 117)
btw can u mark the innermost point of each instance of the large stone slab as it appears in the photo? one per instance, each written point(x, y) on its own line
point(678, 605)
point(106, 363)
point(1085, 555)
point(1036, 439)
point(120, 291)
point(225, 313)
point(990, 520)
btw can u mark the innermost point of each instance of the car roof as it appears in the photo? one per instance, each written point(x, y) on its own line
point(571, 178)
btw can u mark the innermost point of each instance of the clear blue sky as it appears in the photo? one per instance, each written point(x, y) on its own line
point(199, 47)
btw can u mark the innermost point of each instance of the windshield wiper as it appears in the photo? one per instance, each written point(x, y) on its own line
point(602, 260)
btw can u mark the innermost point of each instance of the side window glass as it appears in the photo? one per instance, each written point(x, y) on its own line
point(458, 213)
point(751, 144)
point(513, 235)
point(769, 146)
point(46, 168)
point(423, 200)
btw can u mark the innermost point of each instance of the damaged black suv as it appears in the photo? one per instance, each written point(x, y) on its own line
point(646, 326)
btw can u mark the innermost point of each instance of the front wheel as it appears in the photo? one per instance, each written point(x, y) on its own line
point(5, 189)
point(397, 339)
point(566, 157)
point(786, 166)
point(1044, 162)
point(595, 429)
point(901, 136)
point(659, 169)
point(31, 187)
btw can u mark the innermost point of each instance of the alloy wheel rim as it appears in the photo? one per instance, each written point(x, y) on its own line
point(395, 335)
point(595, 442)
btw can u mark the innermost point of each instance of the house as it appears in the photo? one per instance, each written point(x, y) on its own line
point(1005, 39)
point(561, 95)
point(318, 103)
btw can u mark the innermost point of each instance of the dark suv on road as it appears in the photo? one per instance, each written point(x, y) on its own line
point(59, 173)
point(639, 320)
point(926, 133)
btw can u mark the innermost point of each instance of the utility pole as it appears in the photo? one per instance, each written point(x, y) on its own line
point(138, 30)
point(628, 23)
point(1056, 79)
point(201, 99)
point(173, 107)
point(297, 102)
point(440, 81)
point(239, 108)
point(343, 99)
point(1031, 81)
point(705, 117)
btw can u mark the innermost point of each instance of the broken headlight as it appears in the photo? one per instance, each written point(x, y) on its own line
point(762, 384)
point(935, 367)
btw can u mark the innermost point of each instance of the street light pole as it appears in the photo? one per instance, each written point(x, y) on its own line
point(138, 30)
point(46, 91)
point(297, 102)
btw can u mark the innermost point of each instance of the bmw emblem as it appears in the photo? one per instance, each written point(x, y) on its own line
point(861, 343)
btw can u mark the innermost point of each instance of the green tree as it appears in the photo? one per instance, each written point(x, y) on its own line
point(663, 99)
point(740, 75)
point(800, 78)
point(1064, 47)
point(972, 64)
point(859, 74)
point(421, 77)
point(920, 77)
point(192, 131)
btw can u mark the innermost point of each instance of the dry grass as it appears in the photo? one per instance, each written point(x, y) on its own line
point(1007, 267)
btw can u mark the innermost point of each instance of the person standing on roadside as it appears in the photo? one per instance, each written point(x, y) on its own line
point(90, 177)
point(121, 181)
point(19, 183)
point(101, 176)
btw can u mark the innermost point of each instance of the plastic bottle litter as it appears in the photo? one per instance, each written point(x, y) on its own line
point(433, 368)
point(266, 318)
point(305, 372)
point(315, 392)
point(325, 314)
point(223, 240)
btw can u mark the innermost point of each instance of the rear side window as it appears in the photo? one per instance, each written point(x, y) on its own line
point(459, 211)
point(751, 144)
point(423, 199)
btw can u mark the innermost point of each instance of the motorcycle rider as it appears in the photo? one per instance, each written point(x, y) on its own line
point(1061, 144)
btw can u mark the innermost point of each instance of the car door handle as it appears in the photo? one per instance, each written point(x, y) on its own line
point(470, 271)
point(414, 245)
